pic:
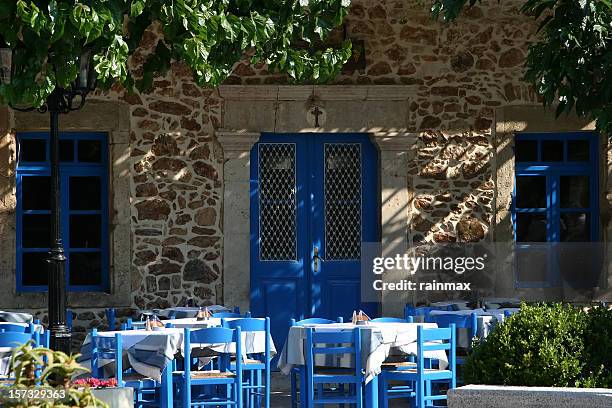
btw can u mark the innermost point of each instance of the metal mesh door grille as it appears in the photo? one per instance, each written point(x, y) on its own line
point(277, 202)
point(342, 201)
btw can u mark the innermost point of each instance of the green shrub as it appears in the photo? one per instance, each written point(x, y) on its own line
point(598, 348)
point(556, 345)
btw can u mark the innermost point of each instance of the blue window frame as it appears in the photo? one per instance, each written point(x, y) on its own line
point(555, 200)
point(84, 202)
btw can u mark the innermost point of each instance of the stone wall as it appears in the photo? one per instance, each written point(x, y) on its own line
point(461, 72)
point(176, 195)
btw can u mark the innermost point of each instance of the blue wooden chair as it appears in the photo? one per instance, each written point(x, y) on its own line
point(128, 325)
point(14, 339)
point(421, 311)
point(300, 369)
point(229, 315)
point(69, 318)
point(224, 376)
point(330, 343)
point(256, 365)
point(16, 328)
point(419, 379)
point(46, 338)
point(111, 348)
point(110, 318)
point(467, 322)
point(390, 320)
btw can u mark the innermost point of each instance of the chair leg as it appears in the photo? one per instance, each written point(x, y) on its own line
point(304, 392)
point(259, 391)
point(252, 390)
point(421, 394)
point(383, 400)
point(359, 394)
point(293, 389)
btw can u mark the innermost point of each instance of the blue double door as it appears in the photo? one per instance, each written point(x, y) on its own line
point(314, 200)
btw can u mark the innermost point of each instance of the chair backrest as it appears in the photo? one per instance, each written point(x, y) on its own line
point(389, 320)
point(314, 320)
point(14, 339)
point(108, 348)
point(247, 324)
point(336, 343)
point(251, 324)
point(437, 339)
point(226, 315)
point(69, 318)
point(128, 325)
point(214, 335)
point(110, 318)
point(16, 328)
point(411, 310)
point(469, 322)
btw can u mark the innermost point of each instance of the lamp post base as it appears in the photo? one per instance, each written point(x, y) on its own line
point(61, 338)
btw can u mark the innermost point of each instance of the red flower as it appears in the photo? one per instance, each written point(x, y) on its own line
point(95, 382)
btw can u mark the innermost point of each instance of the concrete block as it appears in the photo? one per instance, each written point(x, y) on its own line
point(115, 397)
point(496, 396)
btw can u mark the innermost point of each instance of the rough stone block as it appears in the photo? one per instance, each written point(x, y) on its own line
point(494, 396)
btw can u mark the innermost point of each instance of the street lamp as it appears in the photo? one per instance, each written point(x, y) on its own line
point(61, 100)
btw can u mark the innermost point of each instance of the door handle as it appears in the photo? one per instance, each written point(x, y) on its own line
point(316, 259)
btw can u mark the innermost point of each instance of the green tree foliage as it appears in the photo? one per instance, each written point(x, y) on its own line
point(556, 345)
point(211, 36)
point(570, 63)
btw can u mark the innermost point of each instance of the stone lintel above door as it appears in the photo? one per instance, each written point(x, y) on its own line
point(381, 111)
point(348, 108)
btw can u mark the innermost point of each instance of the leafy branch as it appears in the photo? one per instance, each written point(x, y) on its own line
point(211, 36)
point(570, 65)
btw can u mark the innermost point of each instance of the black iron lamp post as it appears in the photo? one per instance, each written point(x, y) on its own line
point(61, 100)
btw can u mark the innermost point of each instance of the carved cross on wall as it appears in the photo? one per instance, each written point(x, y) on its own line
point(316, 112)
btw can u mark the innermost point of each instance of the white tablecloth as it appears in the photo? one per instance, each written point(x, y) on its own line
point(183, 311)
point(377, 340)
point(15, 317)
point(148, 352)
point(190, 322)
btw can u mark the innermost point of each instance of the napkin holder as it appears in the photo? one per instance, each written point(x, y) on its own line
point(204, 314)
point(153, 323)
point(360, 318)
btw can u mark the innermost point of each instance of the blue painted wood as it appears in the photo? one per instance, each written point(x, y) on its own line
point(389, 320)
point(110, 318)
point(316, 343)
point(286, 290)
point(427, 340)
point(225, 315)
point(300, 369)
point(278, 288)
point(341, 279)
point(469, 322)
point(255, 370)
point(15, 328)
point(215, 335)
point(69, 318)
point(67, 169)
point(14, 339)
point(111, 348)
point(553, 171)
